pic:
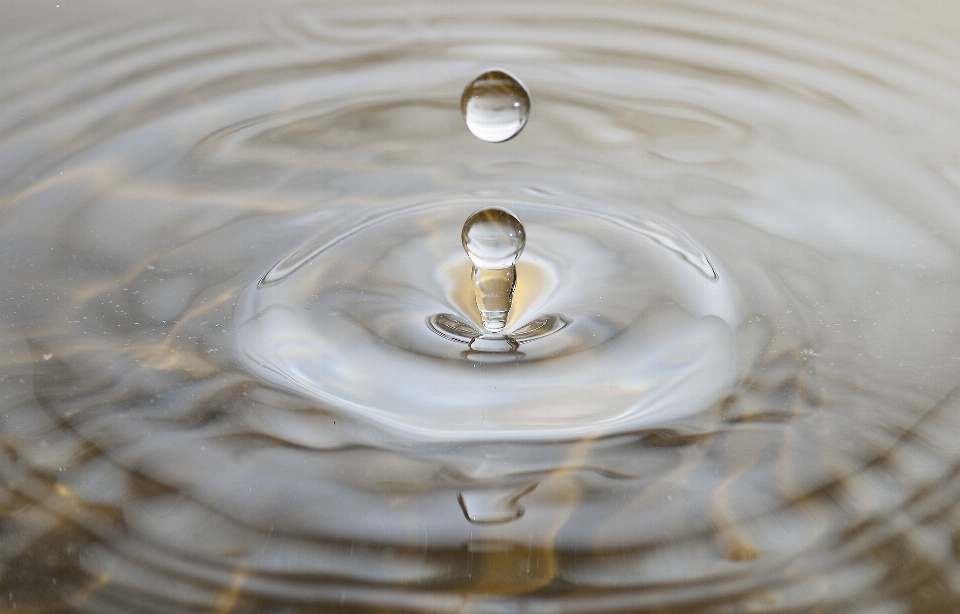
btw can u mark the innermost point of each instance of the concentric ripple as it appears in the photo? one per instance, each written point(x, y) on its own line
point(226, 233)
point(344, 322)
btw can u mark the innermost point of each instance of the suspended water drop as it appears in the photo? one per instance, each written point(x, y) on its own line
point(495, 106)
point(493, 239)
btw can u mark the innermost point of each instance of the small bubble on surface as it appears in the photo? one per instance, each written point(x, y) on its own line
point(495, 106)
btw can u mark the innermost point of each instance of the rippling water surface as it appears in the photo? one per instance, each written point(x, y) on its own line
point(226, 230)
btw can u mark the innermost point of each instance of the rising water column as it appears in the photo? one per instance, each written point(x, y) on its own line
point(493, 239)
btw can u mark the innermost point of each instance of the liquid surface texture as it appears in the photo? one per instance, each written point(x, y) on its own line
point(242, 367)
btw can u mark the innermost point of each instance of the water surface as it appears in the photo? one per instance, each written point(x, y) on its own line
point(223, 233)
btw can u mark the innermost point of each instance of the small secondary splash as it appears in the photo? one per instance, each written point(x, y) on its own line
point(379, 320)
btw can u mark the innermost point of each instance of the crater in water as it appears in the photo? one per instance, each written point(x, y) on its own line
point(240, 365)
point(341, 319)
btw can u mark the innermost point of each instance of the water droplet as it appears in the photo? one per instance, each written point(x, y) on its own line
point(495, 106)
point(493, 239)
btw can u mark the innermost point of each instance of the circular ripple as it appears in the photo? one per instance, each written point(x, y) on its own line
point(154, 171)
point(649, 335)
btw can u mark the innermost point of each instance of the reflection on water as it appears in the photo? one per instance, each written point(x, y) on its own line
point(226, 236)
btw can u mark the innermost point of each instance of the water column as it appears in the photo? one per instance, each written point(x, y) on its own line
point(493, 239)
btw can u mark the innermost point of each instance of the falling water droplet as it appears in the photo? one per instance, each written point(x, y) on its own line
point(493, 239)
point(495, 106)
